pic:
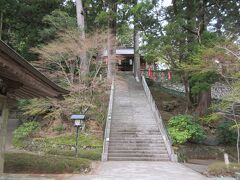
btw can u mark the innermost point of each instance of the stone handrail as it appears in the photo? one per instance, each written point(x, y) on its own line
point(108, 124)
point(158, 118)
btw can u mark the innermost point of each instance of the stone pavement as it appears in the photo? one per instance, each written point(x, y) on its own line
point(141, 170)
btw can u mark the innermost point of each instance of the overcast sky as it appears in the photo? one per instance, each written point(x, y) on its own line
point(167, 2)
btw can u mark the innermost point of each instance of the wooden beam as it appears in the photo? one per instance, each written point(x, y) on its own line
point(14, 72)
point(4, 112)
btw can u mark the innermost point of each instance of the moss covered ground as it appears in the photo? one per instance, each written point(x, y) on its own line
point(32, 163)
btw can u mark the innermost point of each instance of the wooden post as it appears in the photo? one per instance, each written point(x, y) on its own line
point(4, 111)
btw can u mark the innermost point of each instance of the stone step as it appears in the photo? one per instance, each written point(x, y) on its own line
point(132, 125)
point(136, 141)
point(115, 138)
point(136, 134)
point(137, 148)
point(116, 125)
point(135, 130)
point(134, 154)
point(126, 121)
point(140, 145)
point(133, 134)
point(130, 115)
point(137, 159)
point(129, 123)
point(160, 151)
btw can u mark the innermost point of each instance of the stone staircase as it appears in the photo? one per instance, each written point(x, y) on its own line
point(134, 134)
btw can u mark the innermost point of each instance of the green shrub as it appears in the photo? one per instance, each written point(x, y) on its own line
point(24, 131)
point(30, 163)
point(183, 128)
point(227, 134)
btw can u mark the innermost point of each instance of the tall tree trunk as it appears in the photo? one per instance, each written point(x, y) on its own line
point(1, 24)
point(187, 91)
point(204, 98)
point(204, 102)
point(137, 71)
point(80, 17)
point(112, 32)
point(84, 67)
point(202, 19)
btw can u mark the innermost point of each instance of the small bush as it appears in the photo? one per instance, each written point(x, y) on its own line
point(183, 128)
point(25, 130)
point(227, 134)
point(220, 169)
point(30, 163)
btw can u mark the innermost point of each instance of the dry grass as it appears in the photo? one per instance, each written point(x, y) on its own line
point(220, 169)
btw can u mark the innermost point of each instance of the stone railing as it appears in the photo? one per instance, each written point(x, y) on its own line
point(108, 124)
point(158, 118)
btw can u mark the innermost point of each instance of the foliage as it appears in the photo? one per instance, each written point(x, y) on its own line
point(125, 36)
point(91, 101)
point(56, 22)
point(24, 131)
point(30, 163)
point(221, 169)
point(186, 39)
point(226, 133)
point(225, 56)
point(35, 107)
point(201, 82)
point(22, 22)
point(211, 118)
point(183, 128)
point(61, 61)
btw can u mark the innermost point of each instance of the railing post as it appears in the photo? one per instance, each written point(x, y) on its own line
point(108, 124)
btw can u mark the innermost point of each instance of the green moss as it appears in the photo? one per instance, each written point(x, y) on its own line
point(84, 140)
point(30, 163)
point(91, 154)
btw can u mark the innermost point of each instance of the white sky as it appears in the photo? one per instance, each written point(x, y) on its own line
point(167, 2)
